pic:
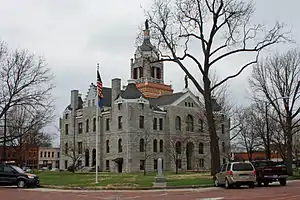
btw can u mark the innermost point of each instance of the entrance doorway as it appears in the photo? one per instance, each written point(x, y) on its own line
point(189, 155)
point(119, 162)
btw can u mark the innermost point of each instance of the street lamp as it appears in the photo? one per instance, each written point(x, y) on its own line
point(268, 149)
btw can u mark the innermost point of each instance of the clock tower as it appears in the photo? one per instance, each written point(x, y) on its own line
point(147, 71)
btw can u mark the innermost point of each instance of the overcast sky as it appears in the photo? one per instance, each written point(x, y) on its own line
point(73, 35)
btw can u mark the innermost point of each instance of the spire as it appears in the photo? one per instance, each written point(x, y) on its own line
point(147, 46)
point(146, 31)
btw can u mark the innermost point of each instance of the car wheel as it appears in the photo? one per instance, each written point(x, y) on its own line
point(282, 182)
point(251, 185)
point(266, 183)
point(217, 182)
point(227, 184)
point(21, 184)
point(259, 183)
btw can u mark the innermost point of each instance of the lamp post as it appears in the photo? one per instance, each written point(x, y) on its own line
point(268, 148)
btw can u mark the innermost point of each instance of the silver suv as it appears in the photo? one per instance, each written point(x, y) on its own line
point(236, 173)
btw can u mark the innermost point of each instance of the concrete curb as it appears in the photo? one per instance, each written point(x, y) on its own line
point(125, 188)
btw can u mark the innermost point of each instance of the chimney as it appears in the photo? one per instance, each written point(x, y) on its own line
point(115, 89)
point(74, 99)
point(131, 62)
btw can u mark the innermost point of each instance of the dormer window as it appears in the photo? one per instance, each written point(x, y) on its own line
point(119, 106)
point(66, 116)
point(141, 105)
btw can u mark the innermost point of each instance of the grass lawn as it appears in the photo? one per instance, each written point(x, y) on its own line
point(114, 179)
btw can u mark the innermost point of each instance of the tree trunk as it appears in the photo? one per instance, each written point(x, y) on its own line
point(214, 139)
point(289, 146)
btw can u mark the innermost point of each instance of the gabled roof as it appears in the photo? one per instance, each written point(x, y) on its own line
point(80, 103)
point(165, 99)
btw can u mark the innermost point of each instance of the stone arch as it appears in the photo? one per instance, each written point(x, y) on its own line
point(87, 158)
point(189, 155)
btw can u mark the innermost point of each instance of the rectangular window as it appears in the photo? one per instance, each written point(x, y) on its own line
point(223, 129)
point(66, 129)
point(79, 128)
point(58, 155)
point(66, 164)
point(160, 124)
point(120, 122)
point(67, 116)
point(87, 126)
point(93, 102)
point(107, 165)
point(48, 154)
point(89, 103)
point(52, 154)
point(94, 124)
point(155, 164)
point(141, 124)
point(142, 164)
point(107, 124)
point(79, 147)
point(45, 154)
point(119, 106)
point(155, 124)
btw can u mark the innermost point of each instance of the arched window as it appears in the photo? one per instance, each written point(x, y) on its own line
point(223, 147)
point(120, 145)
point(142, 145)
point(201, 148)
point(107, 146)
point(178, 147)
point(94, 124)
point(161, 146)
point(87, 128)
point(177, 123)
point(154, 145)
point(189, 123)
point(200, 125)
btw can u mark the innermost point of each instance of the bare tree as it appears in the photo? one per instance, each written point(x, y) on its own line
point(276, 82)
point(248, 138)
point(145, 144)
point(75, 152)
point(25, 82)
point(218, 29)
point(175, 148)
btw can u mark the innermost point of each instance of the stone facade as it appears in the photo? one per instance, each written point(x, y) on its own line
point(136, 129)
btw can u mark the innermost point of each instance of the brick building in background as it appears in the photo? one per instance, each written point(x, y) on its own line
point(22, 155)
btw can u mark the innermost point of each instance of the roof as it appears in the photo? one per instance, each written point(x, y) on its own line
point(131, 92)
point(166, 99)
point(147, 46)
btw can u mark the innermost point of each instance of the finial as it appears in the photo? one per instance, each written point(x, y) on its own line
point(97, 66)
point(146, 24)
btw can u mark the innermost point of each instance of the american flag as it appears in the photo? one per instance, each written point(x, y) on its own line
point(99, 89)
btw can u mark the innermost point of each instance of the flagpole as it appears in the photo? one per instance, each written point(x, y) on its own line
point(97, 130)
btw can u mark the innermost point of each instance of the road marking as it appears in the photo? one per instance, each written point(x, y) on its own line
point(213, 198)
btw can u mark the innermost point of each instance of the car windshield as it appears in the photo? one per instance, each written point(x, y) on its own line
point(18, 169)
point(242, 167)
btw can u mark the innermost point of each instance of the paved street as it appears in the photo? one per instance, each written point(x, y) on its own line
point(274, 192)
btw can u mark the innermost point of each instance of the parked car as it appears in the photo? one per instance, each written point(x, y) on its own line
point(270, 171)
point(13, 175)
point(236, 174)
